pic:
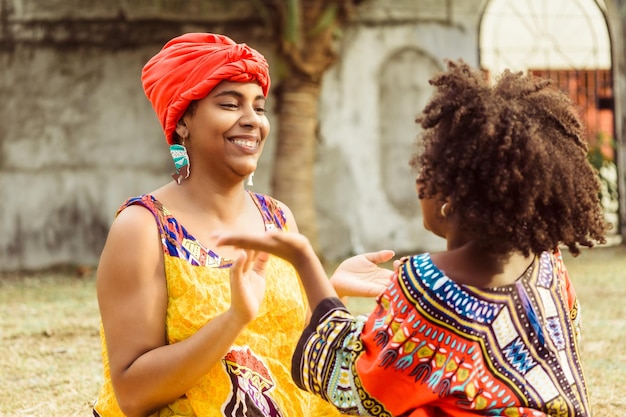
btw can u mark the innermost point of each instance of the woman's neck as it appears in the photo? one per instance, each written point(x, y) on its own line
point(224, 204)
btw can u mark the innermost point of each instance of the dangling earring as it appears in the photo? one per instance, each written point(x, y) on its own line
point(443, 210)
point(250, 179)
point(181, 162)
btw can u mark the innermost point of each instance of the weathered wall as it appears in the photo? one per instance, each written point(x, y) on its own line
point(366, 190)
point(74, 140)
point(78, 136)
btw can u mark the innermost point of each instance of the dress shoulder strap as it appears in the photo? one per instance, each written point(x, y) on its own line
point(170, 231)
point(272, 213)
point(149, 203)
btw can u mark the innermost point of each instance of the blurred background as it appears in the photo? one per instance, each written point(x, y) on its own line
point(78, 135)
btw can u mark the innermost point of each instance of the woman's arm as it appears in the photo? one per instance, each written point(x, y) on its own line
point(146, 372)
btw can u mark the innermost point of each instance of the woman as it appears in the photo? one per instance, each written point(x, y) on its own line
point(490, 325)
point(175, 341)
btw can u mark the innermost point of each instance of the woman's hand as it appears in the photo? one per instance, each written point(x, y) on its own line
point(247, 284)
point(360, 275)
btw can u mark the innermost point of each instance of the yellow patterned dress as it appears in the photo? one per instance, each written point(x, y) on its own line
point(253, 378)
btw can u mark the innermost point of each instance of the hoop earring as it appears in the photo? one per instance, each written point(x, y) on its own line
point(181, 162)
point(443, 210)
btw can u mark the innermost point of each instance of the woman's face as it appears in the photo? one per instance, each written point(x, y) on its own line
point(227, 131)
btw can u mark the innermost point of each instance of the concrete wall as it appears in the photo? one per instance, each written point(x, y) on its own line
point(74, 141)
point(78, 136)
point(366, 190)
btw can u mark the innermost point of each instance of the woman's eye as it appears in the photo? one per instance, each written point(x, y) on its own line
point(260, 110)
point(229, 105)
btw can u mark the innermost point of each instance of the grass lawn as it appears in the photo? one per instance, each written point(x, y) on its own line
point(50, 356)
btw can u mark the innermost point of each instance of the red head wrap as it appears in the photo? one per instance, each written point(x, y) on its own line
point(190, 66)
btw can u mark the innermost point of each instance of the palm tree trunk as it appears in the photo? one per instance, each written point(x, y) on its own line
point(293, 179)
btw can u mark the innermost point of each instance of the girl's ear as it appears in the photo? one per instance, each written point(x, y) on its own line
point(446, 208)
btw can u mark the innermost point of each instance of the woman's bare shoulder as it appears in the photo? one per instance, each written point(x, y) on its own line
point(132, 245)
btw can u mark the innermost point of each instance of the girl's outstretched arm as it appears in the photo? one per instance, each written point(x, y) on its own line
point(295, 249)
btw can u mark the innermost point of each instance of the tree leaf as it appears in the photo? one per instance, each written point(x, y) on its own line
point(328, 17)
point(293, 23)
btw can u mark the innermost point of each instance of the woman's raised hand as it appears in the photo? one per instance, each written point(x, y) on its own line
point(247, 284)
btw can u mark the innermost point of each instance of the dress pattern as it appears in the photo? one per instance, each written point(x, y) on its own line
point(253, 378)
point(433, 347)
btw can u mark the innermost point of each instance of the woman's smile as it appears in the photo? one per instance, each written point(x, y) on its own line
point(246, 143)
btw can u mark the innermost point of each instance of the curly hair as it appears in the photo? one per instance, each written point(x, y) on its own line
point(511, 160)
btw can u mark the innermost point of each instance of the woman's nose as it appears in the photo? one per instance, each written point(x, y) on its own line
point(250, 117)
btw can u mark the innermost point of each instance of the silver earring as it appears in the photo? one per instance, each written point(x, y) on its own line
point(250, 179)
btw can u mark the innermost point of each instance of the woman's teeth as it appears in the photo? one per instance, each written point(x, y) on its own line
point(245, 143)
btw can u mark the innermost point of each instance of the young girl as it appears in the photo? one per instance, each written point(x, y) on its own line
point(490, 325)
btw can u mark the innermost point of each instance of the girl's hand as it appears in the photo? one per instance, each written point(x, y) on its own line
point(360, 275)
point(292, 247)
point(247, 284)
point(295, 249)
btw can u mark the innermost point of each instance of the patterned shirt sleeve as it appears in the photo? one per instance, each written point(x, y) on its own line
point(323, 362)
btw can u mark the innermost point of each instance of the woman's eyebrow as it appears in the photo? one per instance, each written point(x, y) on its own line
point(237, 94)
point(229, 93)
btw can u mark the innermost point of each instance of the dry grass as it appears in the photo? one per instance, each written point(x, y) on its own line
point(599, 281)
point(50, 356)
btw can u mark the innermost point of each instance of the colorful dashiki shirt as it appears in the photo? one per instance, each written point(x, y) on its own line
point(433, 347)
point(253, 378)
